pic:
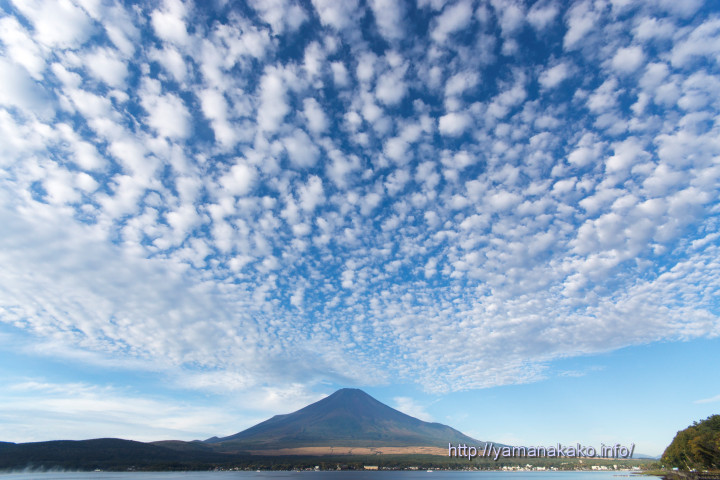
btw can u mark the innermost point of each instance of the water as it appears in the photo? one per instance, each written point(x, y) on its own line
point(331, 475)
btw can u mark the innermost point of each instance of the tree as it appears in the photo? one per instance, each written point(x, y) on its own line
point(697, 447)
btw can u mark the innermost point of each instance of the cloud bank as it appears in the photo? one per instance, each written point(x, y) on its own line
point(452, 195)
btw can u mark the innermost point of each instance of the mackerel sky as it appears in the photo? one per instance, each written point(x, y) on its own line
point(214, 212)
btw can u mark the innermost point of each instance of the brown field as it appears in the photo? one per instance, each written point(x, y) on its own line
point(320, 451)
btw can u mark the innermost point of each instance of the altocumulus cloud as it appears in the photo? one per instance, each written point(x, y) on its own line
point(449, 194)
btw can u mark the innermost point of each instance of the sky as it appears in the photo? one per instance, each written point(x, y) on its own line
point(500, 215)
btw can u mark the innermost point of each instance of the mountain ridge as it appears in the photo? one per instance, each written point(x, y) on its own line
point(348, 418)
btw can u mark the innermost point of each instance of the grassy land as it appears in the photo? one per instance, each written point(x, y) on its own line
point(400, 462)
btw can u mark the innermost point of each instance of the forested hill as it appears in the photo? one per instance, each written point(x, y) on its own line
point(108, 453)
point(697, 447)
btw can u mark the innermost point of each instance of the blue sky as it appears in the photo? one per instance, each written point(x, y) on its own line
point(498, 215)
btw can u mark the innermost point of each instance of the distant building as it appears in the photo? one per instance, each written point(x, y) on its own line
point(370, 467)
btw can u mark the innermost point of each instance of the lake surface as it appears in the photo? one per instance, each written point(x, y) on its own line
point(330, 475)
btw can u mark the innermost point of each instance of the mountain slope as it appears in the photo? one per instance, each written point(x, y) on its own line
point(348, 417)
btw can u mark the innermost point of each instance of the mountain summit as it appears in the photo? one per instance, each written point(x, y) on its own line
point(349, 418)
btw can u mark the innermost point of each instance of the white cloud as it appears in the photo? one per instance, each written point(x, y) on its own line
point(300, 149)
point(409, 406)
point(628, 59)
point(506, 100)
point(454, 18)
point(339, 15)
point(582, 156)
point(102, 285)
point(172, 61)
point(604, 97)
point(625, 155)
point(20, 47)
point(60, 186)
point(118, 24)
point(649, 28)
point(105, 66)
point(273, 104)
point(311, 194)
point(314, 60)
point(581, 19)
point(503, 200)
point(704, 40)
point(511, 17)
point(20, 90)
point(46, 15)
point(681, 9)
point(454, 124)
point(365, 70)
point(370, 202)
point(434, 4)
point(167, 114)
point(82, 410)
point(340, 74)
point(280, 14)
point(341, 167)
point(87, 156)
point(397, 149)
point(215, 107)
point(169, 22)
point(389, 18)
point(459, 160)
point(460, 83)
point(315, 116)
point(391, 88)
point(240, 179)
point(541, 15)
point(552, 77)
point(714, 399)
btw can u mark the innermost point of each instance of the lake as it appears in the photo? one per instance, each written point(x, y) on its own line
point(326, 475)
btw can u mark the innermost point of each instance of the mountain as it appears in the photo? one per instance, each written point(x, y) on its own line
point(347, 418)
point(642, 456)
point(107, 453)
point(348, 422)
